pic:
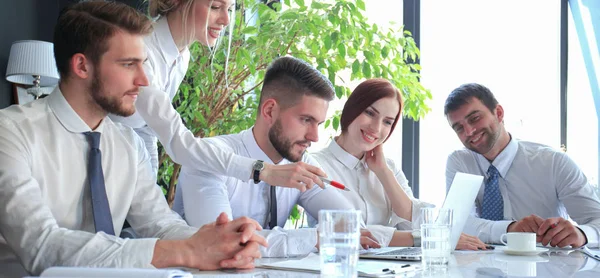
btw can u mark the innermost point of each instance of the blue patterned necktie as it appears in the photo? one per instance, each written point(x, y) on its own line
point(493, 204)
point(100, 208)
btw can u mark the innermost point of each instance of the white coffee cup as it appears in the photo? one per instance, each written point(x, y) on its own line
point(519, 241)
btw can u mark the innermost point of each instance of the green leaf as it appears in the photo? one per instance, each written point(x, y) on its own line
point(336, 122)
point(327, 42)
point(356, 67)
point(295, 213)
point(361, 4)
point(327, 123)
point(250, 30)
point(289, 14)
point(366, 70)
point(334, 20)
point(369, 55)
point(334, 37)
point(300, 3)
point(341, 50)
point(339, 92)
point(318, 5)
point(384, 52)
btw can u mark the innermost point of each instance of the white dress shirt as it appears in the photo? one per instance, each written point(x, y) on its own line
point(367, 193)
point(45, 205)
point(534, 179)
point(206, 194)
point(165, 68)
point(155, 115)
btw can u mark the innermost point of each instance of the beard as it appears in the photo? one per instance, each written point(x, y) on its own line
point(491, 138)
point(110, 104)
point(284, 145)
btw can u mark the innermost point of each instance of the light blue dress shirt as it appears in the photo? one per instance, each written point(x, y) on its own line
point(534, 179)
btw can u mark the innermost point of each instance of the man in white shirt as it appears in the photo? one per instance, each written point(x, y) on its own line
point(69, 176)
point(529, 187)
point(294, 101)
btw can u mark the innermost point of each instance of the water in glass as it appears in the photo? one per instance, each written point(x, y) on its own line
point(435, 245)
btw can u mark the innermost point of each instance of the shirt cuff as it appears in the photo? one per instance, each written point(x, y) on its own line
point(288, 243)
point(242, 168)
point(382, 234)
point(498, 229)
point(591, 234)
point(141, 253)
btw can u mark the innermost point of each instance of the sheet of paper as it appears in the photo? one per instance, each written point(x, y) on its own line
point(369, 268)
point(66, 272)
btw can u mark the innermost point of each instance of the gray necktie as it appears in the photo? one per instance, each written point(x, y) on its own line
point(100, 207)
point(273, 209)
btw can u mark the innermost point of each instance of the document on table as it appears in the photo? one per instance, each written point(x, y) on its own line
point(365, 268)
point(67, 272)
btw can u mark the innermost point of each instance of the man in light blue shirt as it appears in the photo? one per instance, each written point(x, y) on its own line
point(529, 187)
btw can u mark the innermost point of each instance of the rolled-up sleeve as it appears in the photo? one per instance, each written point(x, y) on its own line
point(179, 142)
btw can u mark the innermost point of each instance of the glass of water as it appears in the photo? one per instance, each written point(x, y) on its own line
point(339, 239)
point(436, 243)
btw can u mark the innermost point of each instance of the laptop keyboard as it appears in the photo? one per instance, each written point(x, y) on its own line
point(411, 251)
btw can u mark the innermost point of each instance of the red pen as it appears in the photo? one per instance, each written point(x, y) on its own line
point(335, 184)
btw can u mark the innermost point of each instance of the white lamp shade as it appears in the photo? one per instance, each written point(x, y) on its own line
point(28, 58)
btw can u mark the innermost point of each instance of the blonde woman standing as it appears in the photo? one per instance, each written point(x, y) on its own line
point(180, 23)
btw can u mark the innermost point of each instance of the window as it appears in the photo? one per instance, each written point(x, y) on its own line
point(582, 120)
point(511, 47)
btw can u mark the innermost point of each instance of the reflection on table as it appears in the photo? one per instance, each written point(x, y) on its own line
point(554, 263)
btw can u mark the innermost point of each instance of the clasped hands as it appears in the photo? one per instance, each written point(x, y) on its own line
point(556, 231)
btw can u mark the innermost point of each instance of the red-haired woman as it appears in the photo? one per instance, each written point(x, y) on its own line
point(355, 158)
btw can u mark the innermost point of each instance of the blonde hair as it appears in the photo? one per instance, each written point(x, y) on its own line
point(159, 8)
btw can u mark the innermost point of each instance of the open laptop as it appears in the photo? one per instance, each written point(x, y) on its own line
point(460, 198)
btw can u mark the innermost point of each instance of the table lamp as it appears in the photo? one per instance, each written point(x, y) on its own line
point(32, 63)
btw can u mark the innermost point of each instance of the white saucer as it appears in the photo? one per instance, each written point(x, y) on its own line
point(537, 250)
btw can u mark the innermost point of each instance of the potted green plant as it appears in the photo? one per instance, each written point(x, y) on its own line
point(332, 35)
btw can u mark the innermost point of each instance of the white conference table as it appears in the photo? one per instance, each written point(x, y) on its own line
point(554, 263)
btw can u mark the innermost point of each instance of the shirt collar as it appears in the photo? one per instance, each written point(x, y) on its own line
point(343, 156)
point(166, 44)
point(67, 116)
point(254, 150)
point(503, 160)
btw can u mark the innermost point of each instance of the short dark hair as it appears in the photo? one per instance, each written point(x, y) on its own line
point(461, 96)
point(288, 79)
point(86, 28)
point(364, 95)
